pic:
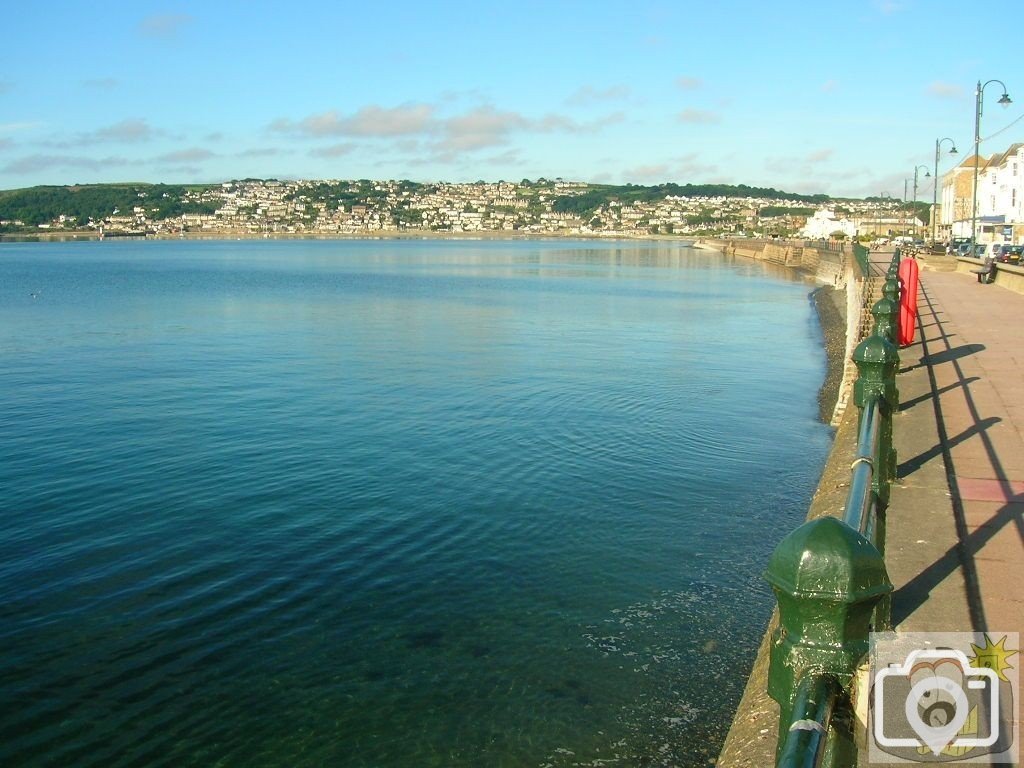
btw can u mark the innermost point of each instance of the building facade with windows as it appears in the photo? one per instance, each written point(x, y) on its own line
point(1000, 211)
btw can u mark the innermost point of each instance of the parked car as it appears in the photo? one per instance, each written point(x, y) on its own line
point(954, 245)
point(992, 250)
point(1010, 254)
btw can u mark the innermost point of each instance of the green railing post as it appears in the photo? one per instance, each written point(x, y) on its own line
point(894, 265)
point(885, 312)
point(827, 579)
point(891, 290)
point(877, 361)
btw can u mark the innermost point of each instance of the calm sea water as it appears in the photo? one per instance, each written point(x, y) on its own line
point(391, 503)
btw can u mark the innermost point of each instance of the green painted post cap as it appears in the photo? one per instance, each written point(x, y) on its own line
point(825, 559)
point(876, 349)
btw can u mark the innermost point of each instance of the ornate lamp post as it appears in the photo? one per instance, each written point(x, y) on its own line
point(914, 209)
point(978, 97)
point(935, 183)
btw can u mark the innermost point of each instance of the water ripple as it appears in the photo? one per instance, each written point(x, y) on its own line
point(388, 504)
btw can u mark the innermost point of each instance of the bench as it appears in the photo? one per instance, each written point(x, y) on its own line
point(987, 271)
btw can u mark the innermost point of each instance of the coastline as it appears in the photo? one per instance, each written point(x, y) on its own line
point(830, 305)
point(383, 234)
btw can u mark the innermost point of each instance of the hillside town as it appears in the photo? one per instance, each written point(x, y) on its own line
point(340, 208)
point(256, 207)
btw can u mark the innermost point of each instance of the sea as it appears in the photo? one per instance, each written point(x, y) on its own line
point(382, 503)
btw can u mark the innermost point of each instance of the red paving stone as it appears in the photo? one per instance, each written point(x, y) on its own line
point(984, 489)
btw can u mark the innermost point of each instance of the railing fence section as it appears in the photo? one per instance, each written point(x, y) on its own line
point(829, 575)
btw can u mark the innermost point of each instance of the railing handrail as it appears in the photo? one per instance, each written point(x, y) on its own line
point(816, 697)
point(860, 501)
point(829, 574)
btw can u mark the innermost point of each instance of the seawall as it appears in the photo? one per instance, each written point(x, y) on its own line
point(752, 737)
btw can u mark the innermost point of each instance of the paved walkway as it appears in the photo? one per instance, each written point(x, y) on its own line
point(956, 525)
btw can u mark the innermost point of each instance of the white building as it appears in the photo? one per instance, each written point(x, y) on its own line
point(1000, 209)
point(824, 224)
point(1000, 189)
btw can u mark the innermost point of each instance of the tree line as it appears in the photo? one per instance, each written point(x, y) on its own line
point(43, 204)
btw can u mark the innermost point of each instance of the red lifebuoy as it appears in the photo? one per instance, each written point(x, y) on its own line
point(908, 302)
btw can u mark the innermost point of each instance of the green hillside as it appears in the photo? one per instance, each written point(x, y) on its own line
point(39, 205)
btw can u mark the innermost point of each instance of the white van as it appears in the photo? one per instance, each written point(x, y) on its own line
point(990, 250)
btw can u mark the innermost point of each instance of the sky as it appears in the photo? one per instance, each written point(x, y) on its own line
point(843, 97)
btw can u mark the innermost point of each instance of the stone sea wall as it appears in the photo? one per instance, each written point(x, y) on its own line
point(840, 301)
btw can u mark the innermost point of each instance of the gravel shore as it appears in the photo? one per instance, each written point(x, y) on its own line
point(830, 305)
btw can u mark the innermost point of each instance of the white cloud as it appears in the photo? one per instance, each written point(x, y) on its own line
point(945, 90)
point(694, 165)
point(335, 150)
point(479, 128)
point(588, 95)
point(40, 162)
point(370, 122)
point(261, 152)
point(689, 83)
point(127, 130)
point(646, 173)
point(419, 129)
point(191, 155)
point(698, 117)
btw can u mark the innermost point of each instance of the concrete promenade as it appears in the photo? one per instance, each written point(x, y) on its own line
point(955, 536)
point(955, 549)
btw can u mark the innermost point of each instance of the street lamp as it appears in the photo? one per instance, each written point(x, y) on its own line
point(914, 209)
point(884, 196)
point(935, 183)
point(978, 97)
point(903, 208)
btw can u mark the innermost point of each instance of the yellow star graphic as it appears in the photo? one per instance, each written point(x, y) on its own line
point(992, 656)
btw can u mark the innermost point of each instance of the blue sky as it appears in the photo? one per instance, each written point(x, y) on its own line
point(843, 97)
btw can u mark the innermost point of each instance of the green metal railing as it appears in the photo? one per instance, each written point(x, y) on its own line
point(861, 254)
point(829, 575)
